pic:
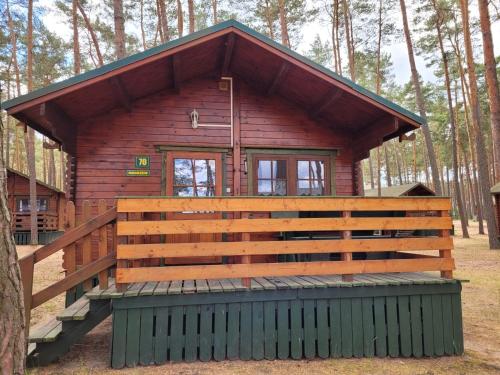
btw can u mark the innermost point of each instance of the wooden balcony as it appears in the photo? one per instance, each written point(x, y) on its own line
point(47, 221)
point(141, 249)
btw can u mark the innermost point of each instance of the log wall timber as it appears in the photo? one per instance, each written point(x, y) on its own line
point(107, 144)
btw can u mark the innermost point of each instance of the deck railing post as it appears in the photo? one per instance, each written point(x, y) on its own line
point(120, 263)
point(103, 245)
point(246, 259)
point(447, 274)
point(27, 267)
point(87, 242)
point(346, 235)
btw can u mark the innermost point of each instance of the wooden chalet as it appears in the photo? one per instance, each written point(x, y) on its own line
point(192, 162)
point(495, 191)
point(50, 208)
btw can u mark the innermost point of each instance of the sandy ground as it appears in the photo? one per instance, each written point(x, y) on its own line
point(481, 314)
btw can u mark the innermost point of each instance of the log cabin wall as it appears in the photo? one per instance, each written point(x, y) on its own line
point(106, 145)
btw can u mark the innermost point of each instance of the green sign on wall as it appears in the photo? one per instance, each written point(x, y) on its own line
point(142, 161)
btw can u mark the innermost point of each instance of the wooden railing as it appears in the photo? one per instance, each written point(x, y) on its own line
point(67, 242)
point(131, 266)
point(46, 221)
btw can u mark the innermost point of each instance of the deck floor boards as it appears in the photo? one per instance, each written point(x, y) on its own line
point(265, 283)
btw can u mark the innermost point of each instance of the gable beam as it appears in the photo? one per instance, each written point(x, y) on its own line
point(121, 93)
point(332, 96)
point(374, 135)
point(176, 73)
point(278, 78)
point(60, 124)
point(228, 54)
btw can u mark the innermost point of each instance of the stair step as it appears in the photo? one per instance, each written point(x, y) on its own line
point(76, 311)
point(31, 348)
point(46, 331)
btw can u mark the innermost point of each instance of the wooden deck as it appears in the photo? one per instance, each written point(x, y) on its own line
point(265, 283)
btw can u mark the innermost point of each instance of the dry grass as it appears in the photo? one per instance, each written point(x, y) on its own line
point(481, 312)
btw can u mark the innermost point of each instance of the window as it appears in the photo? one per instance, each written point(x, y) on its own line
point(194, 177)
point(280, 175)
point(23, 204)
point(271, 177)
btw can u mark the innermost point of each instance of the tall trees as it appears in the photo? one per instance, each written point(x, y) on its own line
point(180, 19)
point(191, 15)
point(420, 101)
point(482, 158)
point(491, 81)
point(77, 63)
point(285, 39)
point(119, 21)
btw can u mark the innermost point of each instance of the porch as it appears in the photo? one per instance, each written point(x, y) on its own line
point(367, 291)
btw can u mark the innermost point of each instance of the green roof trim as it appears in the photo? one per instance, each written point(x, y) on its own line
point(495, 189)
point(196, 35)
point(396, 190)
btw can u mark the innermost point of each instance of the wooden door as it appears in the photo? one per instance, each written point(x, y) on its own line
point(193, 174)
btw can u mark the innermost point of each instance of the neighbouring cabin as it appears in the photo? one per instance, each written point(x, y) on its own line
point(495, 191)
point(225, 162)
point(415, 189)
point(50, 208)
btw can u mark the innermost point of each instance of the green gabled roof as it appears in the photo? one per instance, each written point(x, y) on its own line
point(495, 189)
point(193, 36)
point(395, 191)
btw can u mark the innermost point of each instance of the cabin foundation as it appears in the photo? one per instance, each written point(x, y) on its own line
point(397, 315)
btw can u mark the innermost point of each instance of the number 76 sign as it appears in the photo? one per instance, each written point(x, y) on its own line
point(142, 162)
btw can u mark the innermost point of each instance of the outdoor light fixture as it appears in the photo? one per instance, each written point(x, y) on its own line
point(194, 118)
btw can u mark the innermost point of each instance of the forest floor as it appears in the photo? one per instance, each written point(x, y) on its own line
point(481, 320)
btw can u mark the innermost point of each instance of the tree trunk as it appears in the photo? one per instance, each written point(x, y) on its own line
point(285, 39)
point(379, 174)
point(451, 116)
point(180, 19)
point(119, 29)
point(214, 12)
point(420, 102)
point(93, 35)
point(491, 81)
point(337, 38)
point(482, 159)
point(387, 167)
point(370, 167)
point(12, 315)
point(76, 43)
point(191, 15)
point(163, 20)
point(398, 164)
point(350, 44)
point(30, 134)
point(143, 33)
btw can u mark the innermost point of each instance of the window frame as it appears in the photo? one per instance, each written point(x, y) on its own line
point(39, 198)
point(253, 156)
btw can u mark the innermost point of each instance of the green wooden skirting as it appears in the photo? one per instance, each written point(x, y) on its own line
point(305, 322)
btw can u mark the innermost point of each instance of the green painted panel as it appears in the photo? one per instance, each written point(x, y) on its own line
point(283, 330)
point(404, 325)
point(133, 332)
point(176, 333)
point(447, 324)
point(335, 329)
point(437, 324)
point(309, 329)
point(392, 326)
point(296, 329)
point(368, 327)
point(257, 330)
point(416, 326)
point(322, 327)
point(146, 339)
point(191, 348)
point(161, 335)
point(220, 332)
point(458, 338)
point(357, 327)
point(119, 338)
point(346, 322)
point(206, 329)
point(233, 331)
point(270, 330)
point(246, 331)
point(380, 327)
point(427, 327)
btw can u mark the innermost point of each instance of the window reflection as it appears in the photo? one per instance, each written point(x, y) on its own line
point(271, 177)
point(194, 177)
point(310, 177)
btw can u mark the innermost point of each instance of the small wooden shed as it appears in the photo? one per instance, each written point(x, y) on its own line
point(406, 190)
point(50, 206)
point(495, 191)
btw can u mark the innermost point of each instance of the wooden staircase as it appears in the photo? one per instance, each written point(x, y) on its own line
point(53, 338)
